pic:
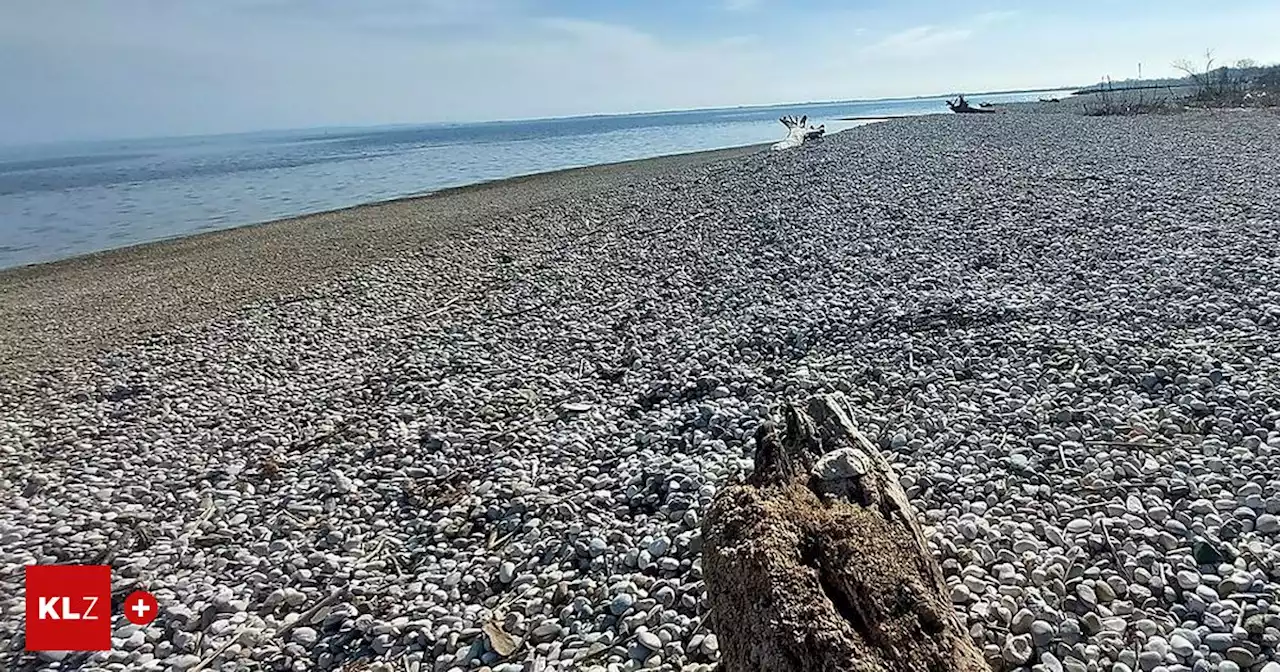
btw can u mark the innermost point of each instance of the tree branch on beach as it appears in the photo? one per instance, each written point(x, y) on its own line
point(798, 132)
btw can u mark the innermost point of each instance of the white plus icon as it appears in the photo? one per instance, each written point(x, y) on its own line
point(140, 608)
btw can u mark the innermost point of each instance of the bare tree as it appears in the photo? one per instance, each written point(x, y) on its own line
point(1189, 69)
point(1217, 86)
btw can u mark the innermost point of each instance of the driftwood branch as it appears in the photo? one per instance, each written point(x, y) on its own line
point(798, 132)
point(962, 106)
point(818, 563)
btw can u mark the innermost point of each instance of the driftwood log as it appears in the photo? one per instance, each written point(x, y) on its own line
point(798, 132)
point(818, 564)
point(962, 106)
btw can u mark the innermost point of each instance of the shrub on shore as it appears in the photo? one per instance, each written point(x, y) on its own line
point(1214, 86)
point(1266, 87)
point(1110, 101)
point(1246, 84)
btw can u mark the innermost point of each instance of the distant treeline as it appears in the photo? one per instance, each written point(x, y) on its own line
point(1245, 72)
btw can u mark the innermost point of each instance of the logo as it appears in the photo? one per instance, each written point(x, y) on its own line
point(141, 607)
point(68, 607)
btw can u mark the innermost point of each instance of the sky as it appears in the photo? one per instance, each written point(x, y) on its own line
point(95, 69)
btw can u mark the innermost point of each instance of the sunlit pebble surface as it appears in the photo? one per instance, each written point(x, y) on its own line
point(1064, 329)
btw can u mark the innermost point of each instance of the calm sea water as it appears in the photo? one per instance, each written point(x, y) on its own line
point(59, 201)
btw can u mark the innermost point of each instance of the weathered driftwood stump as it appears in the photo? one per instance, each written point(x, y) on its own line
point(798, 132)
point(818, 562)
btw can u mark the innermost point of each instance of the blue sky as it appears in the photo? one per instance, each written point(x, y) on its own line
point(73, 69)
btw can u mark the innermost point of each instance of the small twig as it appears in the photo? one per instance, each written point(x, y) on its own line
point(1030, 474)
point(502, 541)
point(1086, 507)
point(1128, 444)
point(445, 306)
point(338, 428)
point(595, 229)
point(425, 316)
point(507, 602)
point(377, 548)
point(213, 656)
point(698, 626)
point(1063, 455)
point(1071, 560)
point(308, 614)
point(1111, 544)
point(1077, 178)
point(205, 516)
point(595, 654)
point(287, 512)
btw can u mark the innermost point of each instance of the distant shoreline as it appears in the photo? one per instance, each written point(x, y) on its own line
point(73, 307)
point(882, 117)
point(605, 115)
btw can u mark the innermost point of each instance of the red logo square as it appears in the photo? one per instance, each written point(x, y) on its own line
point(68, 607)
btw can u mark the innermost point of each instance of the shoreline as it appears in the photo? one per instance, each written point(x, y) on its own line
point(106, 299)
point(438, 193)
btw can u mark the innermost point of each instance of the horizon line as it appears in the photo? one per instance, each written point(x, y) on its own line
point(509, 120)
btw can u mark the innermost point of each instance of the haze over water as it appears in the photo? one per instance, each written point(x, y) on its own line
point(62, 200)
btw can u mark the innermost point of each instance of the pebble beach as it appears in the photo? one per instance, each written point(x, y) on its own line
point(358, 446)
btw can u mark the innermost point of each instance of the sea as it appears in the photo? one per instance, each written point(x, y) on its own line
point(67, 199)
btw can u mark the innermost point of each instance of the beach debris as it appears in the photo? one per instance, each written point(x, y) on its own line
point(798, 132)
point(503, 643)
point(962, 106)
point(818, 562)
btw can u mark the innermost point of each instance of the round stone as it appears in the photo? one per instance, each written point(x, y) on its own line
point(1017, 650)
point(649, 641)
point(1042, 633)
point(1079, 526)
point(621, 604)
point(1181, 647)
point(304, 636)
